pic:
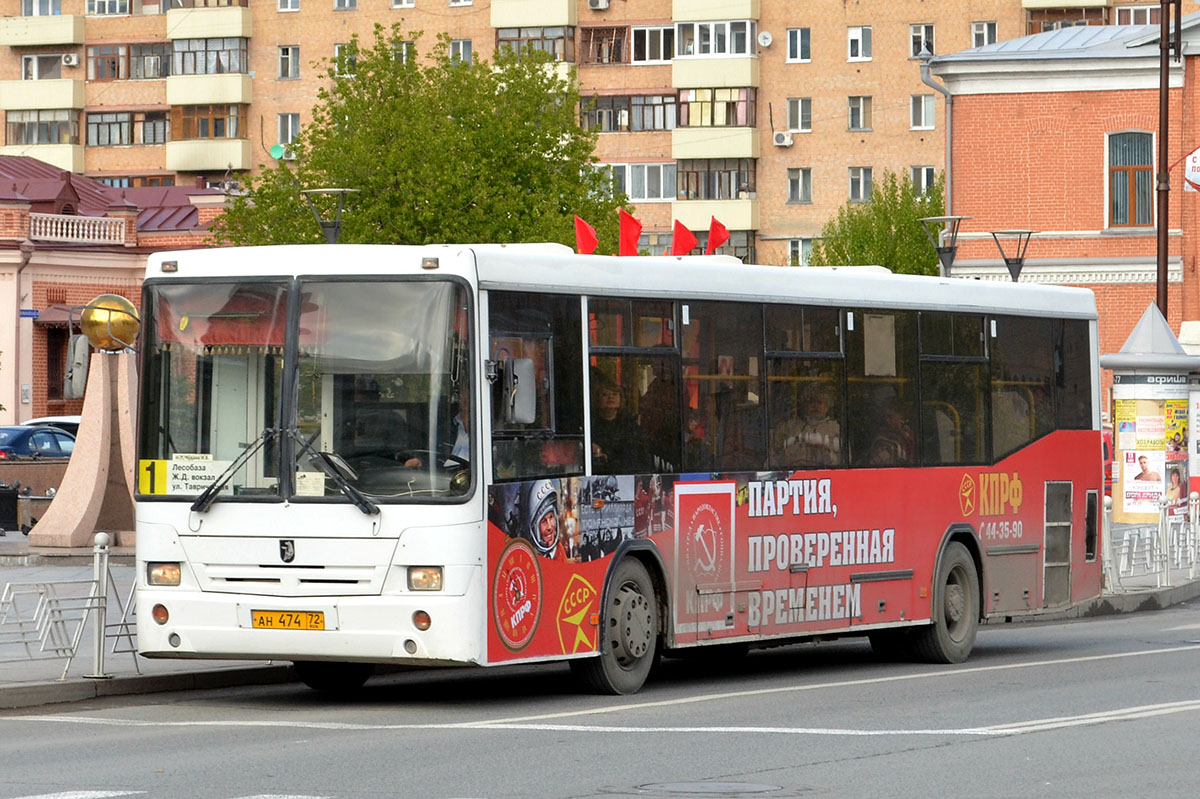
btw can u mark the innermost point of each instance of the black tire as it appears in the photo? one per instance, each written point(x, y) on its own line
point(338, 679)
point(629, 645)
point(955, 610)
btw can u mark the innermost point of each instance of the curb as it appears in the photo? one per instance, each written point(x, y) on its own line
point(56, 692)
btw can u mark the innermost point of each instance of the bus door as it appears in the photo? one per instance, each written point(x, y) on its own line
point(706, 592)
point(1056, 581)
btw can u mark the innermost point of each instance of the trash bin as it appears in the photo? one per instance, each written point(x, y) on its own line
point(30, 509)
point(8, 507)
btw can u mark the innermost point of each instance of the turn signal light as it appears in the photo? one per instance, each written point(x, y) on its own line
point(159, 614)
point(424, 578)
point(162, 573)
point(421, 620)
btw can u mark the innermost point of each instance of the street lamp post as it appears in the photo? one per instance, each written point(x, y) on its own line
point(332, 228)
point(1017, 260)
point(948, 236)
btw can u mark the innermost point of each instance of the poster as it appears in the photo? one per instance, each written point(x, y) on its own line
point(1150, 419)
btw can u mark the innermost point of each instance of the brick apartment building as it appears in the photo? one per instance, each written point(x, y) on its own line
point(1058, 134)
point(64, 240)
point(766, 114)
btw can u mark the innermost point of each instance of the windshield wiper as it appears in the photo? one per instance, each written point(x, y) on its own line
point(333, 466)
point(209, 494)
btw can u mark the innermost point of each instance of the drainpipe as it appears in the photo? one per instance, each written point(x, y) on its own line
point(926, 57)
point(26, 250)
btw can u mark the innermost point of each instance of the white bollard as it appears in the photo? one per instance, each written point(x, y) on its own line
point(100, 586)
point(1164, 538)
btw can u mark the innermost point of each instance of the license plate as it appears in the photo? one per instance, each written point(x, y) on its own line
point(287, 619)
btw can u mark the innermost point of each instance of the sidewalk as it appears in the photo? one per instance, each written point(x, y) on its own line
point(30, 683)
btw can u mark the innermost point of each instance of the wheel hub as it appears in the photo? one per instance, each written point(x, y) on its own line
point(956, 600)
point(635, 625)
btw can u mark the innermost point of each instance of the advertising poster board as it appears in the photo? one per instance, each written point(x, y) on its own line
point(1150, 419)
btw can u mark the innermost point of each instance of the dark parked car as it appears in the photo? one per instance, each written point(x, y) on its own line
point(35, 441)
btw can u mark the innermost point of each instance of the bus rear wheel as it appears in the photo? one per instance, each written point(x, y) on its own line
point(955, 610)
point(628, 634)
point(333, 678)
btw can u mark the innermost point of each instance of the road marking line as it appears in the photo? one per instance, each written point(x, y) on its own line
point(81, 795)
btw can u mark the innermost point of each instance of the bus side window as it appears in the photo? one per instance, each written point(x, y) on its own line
point(881, 391)
point(546, 329)
point(1072, 379)
point(953, 389)
point(1022, 375)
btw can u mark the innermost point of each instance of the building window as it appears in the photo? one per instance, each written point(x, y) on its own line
point(403, 51)
point(404, 3)
point(105, 130)
point(700, 108)
point(800, 252)
point(797, 44)
point(1131, 179)
point(799, 111)
point(345, 5)
point(644, 182)
point(620, 113)
point(799, 185)
point(289, 126)
point(923, 178)
point(653, 112)
point(41, 67)
point(922, 107)
point(604, 45)
point(460, 50)
point(860, 184)
point(289, 5)
point(108, 62)
point(725, 38)
point(607, 114)
point(56, 360)
point(150, 61)
point(151, 127)
point(41, 8)
point(1138, 15)
point(860, 113)
point(859, 44)
point(715, 178)
point(983, 33)
point(653, 45)
point(559, 41)
point(50, 126)
point(206, 122)
point(104, 7)
point(460, 2)
point(208, 56)
point(289, 62)
point(345, 59)
point(137, 181)
point(922, 39)
point(740, 245)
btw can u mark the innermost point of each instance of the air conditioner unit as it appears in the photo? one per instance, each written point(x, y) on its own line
point(598, 5)
point(70, 59)
point(783, 139)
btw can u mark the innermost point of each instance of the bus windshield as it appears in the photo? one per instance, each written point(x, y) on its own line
point(376, 396)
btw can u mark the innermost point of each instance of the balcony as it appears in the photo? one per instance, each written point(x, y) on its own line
point(64, 156)
point(76, 229)
point(209, 89)
point(30, 95)
point(709, 10)
point(206, 155)
point(534, 13)
point(211, 22)
point(717, 72)
point(734, 214)
point(709, 142)
point(1037, 5)
point(35, 31)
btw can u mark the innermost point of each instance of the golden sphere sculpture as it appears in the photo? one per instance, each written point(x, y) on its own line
point(110, 322)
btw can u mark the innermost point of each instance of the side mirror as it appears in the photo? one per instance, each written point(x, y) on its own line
point(75, 378)
point(520, 391)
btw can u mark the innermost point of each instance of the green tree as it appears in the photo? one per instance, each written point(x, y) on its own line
point(885, 230)
point(439, 151)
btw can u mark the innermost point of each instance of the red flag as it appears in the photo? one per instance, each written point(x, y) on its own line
point(683, 241)
point(585, 237)
point(631, 231)
point(718, 234)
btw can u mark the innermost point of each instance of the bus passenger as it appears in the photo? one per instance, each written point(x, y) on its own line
point(619, 444)
point(894, 443)
point(814, 438)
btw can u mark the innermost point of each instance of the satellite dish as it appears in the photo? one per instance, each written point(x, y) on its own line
point(764, 39)
point(276, 151)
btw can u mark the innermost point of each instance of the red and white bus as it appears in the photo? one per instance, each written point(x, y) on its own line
point(358, 455)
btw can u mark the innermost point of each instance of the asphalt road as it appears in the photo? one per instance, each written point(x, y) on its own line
point(1094, 708)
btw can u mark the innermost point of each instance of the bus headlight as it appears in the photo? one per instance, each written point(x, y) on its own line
point(424, 578)
point(162, 573)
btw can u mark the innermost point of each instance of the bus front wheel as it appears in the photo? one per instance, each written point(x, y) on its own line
point(955, 609)
point(628, 634)
point(333, 678)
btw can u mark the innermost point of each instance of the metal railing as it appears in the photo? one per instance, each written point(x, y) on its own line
point(1167, 551)
point(47, 620)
